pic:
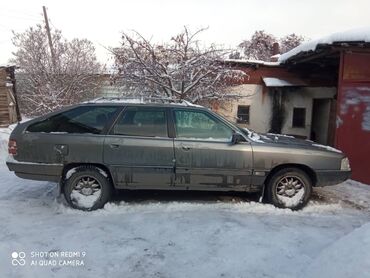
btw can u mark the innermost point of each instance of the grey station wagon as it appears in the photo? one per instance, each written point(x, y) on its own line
point(96, 147)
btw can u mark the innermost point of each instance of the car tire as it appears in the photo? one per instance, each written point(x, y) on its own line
point(87, 188)
point(289, 188)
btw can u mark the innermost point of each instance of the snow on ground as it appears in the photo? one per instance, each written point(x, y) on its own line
point(351, 250)
point(182, 234)
point(351, 193)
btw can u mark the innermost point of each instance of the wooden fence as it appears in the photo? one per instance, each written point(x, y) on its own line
point(9, 111)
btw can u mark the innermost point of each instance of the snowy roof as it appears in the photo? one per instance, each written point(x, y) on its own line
point(7, 66)
point(276, 55)
point(353, 35)
point(255, 62)
point(283, 82)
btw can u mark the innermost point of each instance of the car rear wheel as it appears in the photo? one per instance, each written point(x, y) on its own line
point(87, 188)
point(289, 188)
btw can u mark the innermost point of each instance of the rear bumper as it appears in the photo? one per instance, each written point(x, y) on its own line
point(331, 177)
point(36, 171)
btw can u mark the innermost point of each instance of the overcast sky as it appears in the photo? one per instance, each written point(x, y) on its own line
point(229, 21)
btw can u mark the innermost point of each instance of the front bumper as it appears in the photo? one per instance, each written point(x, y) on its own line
point(331, 177)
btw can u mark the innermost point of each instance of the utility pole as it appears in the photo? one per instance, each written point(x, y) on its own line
point(49, 36)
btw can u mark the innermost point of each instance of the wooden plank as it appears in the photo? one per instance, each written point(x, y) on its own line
point(3, 74)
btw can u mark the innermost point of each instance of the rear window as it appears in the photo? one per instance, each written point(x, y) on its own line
point(84, 119)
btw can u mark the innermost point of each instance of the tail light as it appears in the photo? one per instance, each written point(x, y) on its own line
point(12, 147)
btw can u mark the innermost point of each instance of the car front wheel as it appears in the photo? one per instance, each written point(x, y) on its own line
point(289, 188)
point(87, 188)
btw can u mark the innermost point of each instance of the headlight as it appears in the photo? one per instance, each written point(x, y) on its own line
point(344, 165)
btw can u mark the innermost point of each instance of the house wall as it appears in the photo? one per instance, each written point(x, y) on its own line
point(295, 99)
point(259, 99)
point(255, 74)
point(303, 98)
point(259, 110)
point(109, 91)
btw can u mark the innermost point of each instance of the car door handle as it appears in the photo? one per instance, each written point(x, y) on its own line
point(61, 149)
point(185, 148)
point(114, 146)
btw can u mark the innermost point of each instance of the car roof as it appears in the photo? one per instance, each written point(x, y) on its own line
point(142, 102)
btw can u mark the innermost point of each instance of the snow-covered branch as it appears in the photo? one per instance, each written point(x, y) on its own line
point(43, 87)
point(179, 69)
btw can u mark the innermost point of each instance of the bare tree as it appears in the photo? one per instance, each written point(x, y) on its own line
point(179, 69)
point(290, 41)
point(260, 46)
point(44, 85)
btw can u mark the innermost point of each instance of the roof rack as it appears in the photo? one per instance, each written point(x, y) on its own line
point(142, 100)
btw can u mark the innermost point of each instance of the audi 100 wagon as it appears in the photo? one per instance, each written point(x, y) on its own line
point(96, 147)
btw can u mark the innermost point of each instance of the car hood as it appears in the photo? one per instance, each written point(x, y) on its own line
point(286, 140)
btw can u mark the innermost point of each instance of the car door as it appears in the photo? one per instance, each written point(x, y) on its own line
point(205, 157)
point(72, 136)
point(138, 150)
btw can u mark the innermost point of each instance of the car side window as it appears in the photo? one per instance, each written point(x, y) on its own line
point(141, 121)
point(84, 119)
point(201, 126)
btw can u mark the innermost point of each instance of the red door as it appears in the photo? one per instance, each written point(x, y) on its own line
point(353, 114)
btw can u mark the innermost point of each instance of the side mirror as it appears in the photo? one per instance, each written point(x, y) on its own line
point(237, 138)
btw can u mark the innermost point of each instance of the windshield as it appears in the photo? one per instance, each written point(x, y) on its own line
point(251, 134)
point(230, 123)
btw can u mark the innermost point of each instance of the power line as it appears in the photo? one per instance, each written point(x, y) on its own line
point(4, 27)
point(20, 17)
point(10, 28)
point(52, 24)
point(21, 12)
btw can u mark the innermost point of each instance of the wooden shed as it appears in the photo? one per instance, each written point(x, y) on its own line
point(9, 110)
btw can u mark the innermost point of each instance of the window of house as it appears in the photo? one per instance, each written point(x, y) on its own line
point(299, 117)
point(200, 126)
point(243, 114)
point(84, 119)
point(141, 121)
